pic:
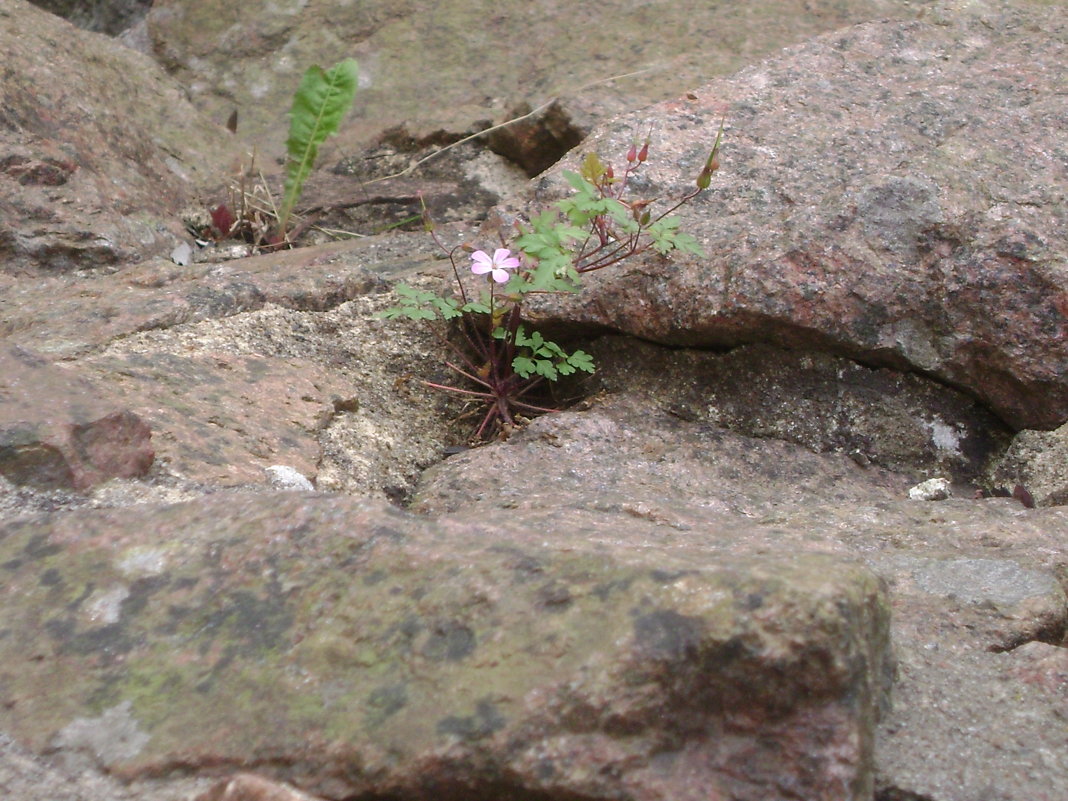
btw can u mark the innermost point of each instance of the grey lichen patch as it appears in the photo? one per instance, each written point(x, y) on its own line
point(385, 701)
point(105, 605)
point(449, 641)
point(895, 211)
point(107, 740)
point(1001, 582)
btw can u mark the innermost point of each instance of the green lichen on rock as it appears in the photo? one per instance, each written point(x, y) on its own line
point(269, 623)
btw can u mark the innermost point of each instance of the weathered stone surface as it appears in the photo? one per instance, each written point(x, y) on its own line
point(970, 579)
point(251, 363)
point(892, 192)
point(228, 399)
point(988, 729)
point(59, 431)
point(67, 316)
point(448, 68)
point(27, 777)
point(896, 420)
point(253, 598)
point(1037, 460)
point(250, 787)
point(631, 455)
point(98, 148)
point(354, 649)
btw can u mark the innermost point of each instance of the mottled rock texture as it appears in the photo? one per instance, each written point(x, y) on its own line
point(99, 149)
point(893, 193)
point(1037, 460)
point(877, 416)
point(687, 585)
point(436, 71)
point(60, 431)
point(357, 650)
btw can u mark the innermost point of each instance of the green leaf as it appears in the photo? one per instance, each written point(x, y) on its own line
point(688, 244)
point(411, 312)
point(475, 307)
point(545, 368)
point(523, 366)
point(411, 295)
point(321, 102)
point(579, 184)
point(448, 307)
point(581, 360)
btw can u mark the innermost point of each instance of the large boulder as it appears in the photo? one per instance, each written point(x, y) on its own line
point(979, 605)
point(892, 193)
point(436, 71)
point(99, 149)
point(315, 637)
point(354, 649)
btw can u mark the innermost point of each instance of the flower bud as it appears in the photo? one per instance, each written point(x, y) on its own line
point(609, 172)
point(704, 179)
point(632, 154)
point(643, 154)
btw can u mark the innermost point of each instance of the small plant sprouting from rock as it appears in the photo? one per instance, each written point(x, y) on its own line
point(319, 105)
point(501, 357)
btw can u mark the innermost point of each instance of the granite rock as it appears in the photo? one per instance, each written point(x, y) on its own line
point(99, 149)
point(892, 193)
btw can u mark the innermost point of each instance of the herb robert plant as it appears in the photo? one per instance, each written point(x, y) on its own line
point(503, 361)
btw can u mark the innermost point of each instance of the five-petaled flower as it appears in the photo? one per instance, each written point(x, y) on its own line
point(497, 266)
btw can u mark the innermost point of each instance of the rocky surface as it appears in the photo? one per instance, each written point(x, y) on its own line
point(536, 617)
point(102, 16)
point(435, 72)
point(893, 193)
point(1037, 460)
point(876, 416)
point(437, 657)
point(84, 438)
point(95, 164)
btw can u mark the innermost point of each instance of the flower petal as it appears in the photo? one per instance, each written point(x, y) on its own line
point(500, 276)
point(481, 263)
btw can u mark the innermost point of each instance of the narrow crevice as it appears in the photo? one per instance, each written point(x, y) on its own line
point(107, 17)
point(537, 142)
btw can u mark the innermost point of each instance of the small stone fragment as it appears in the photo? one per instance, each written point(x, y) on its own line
point(933, 489)
point(284, 477)
point(182, 255)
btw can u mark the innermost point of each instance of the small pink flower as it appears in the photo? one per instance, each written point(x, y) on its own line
point(497, 267)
